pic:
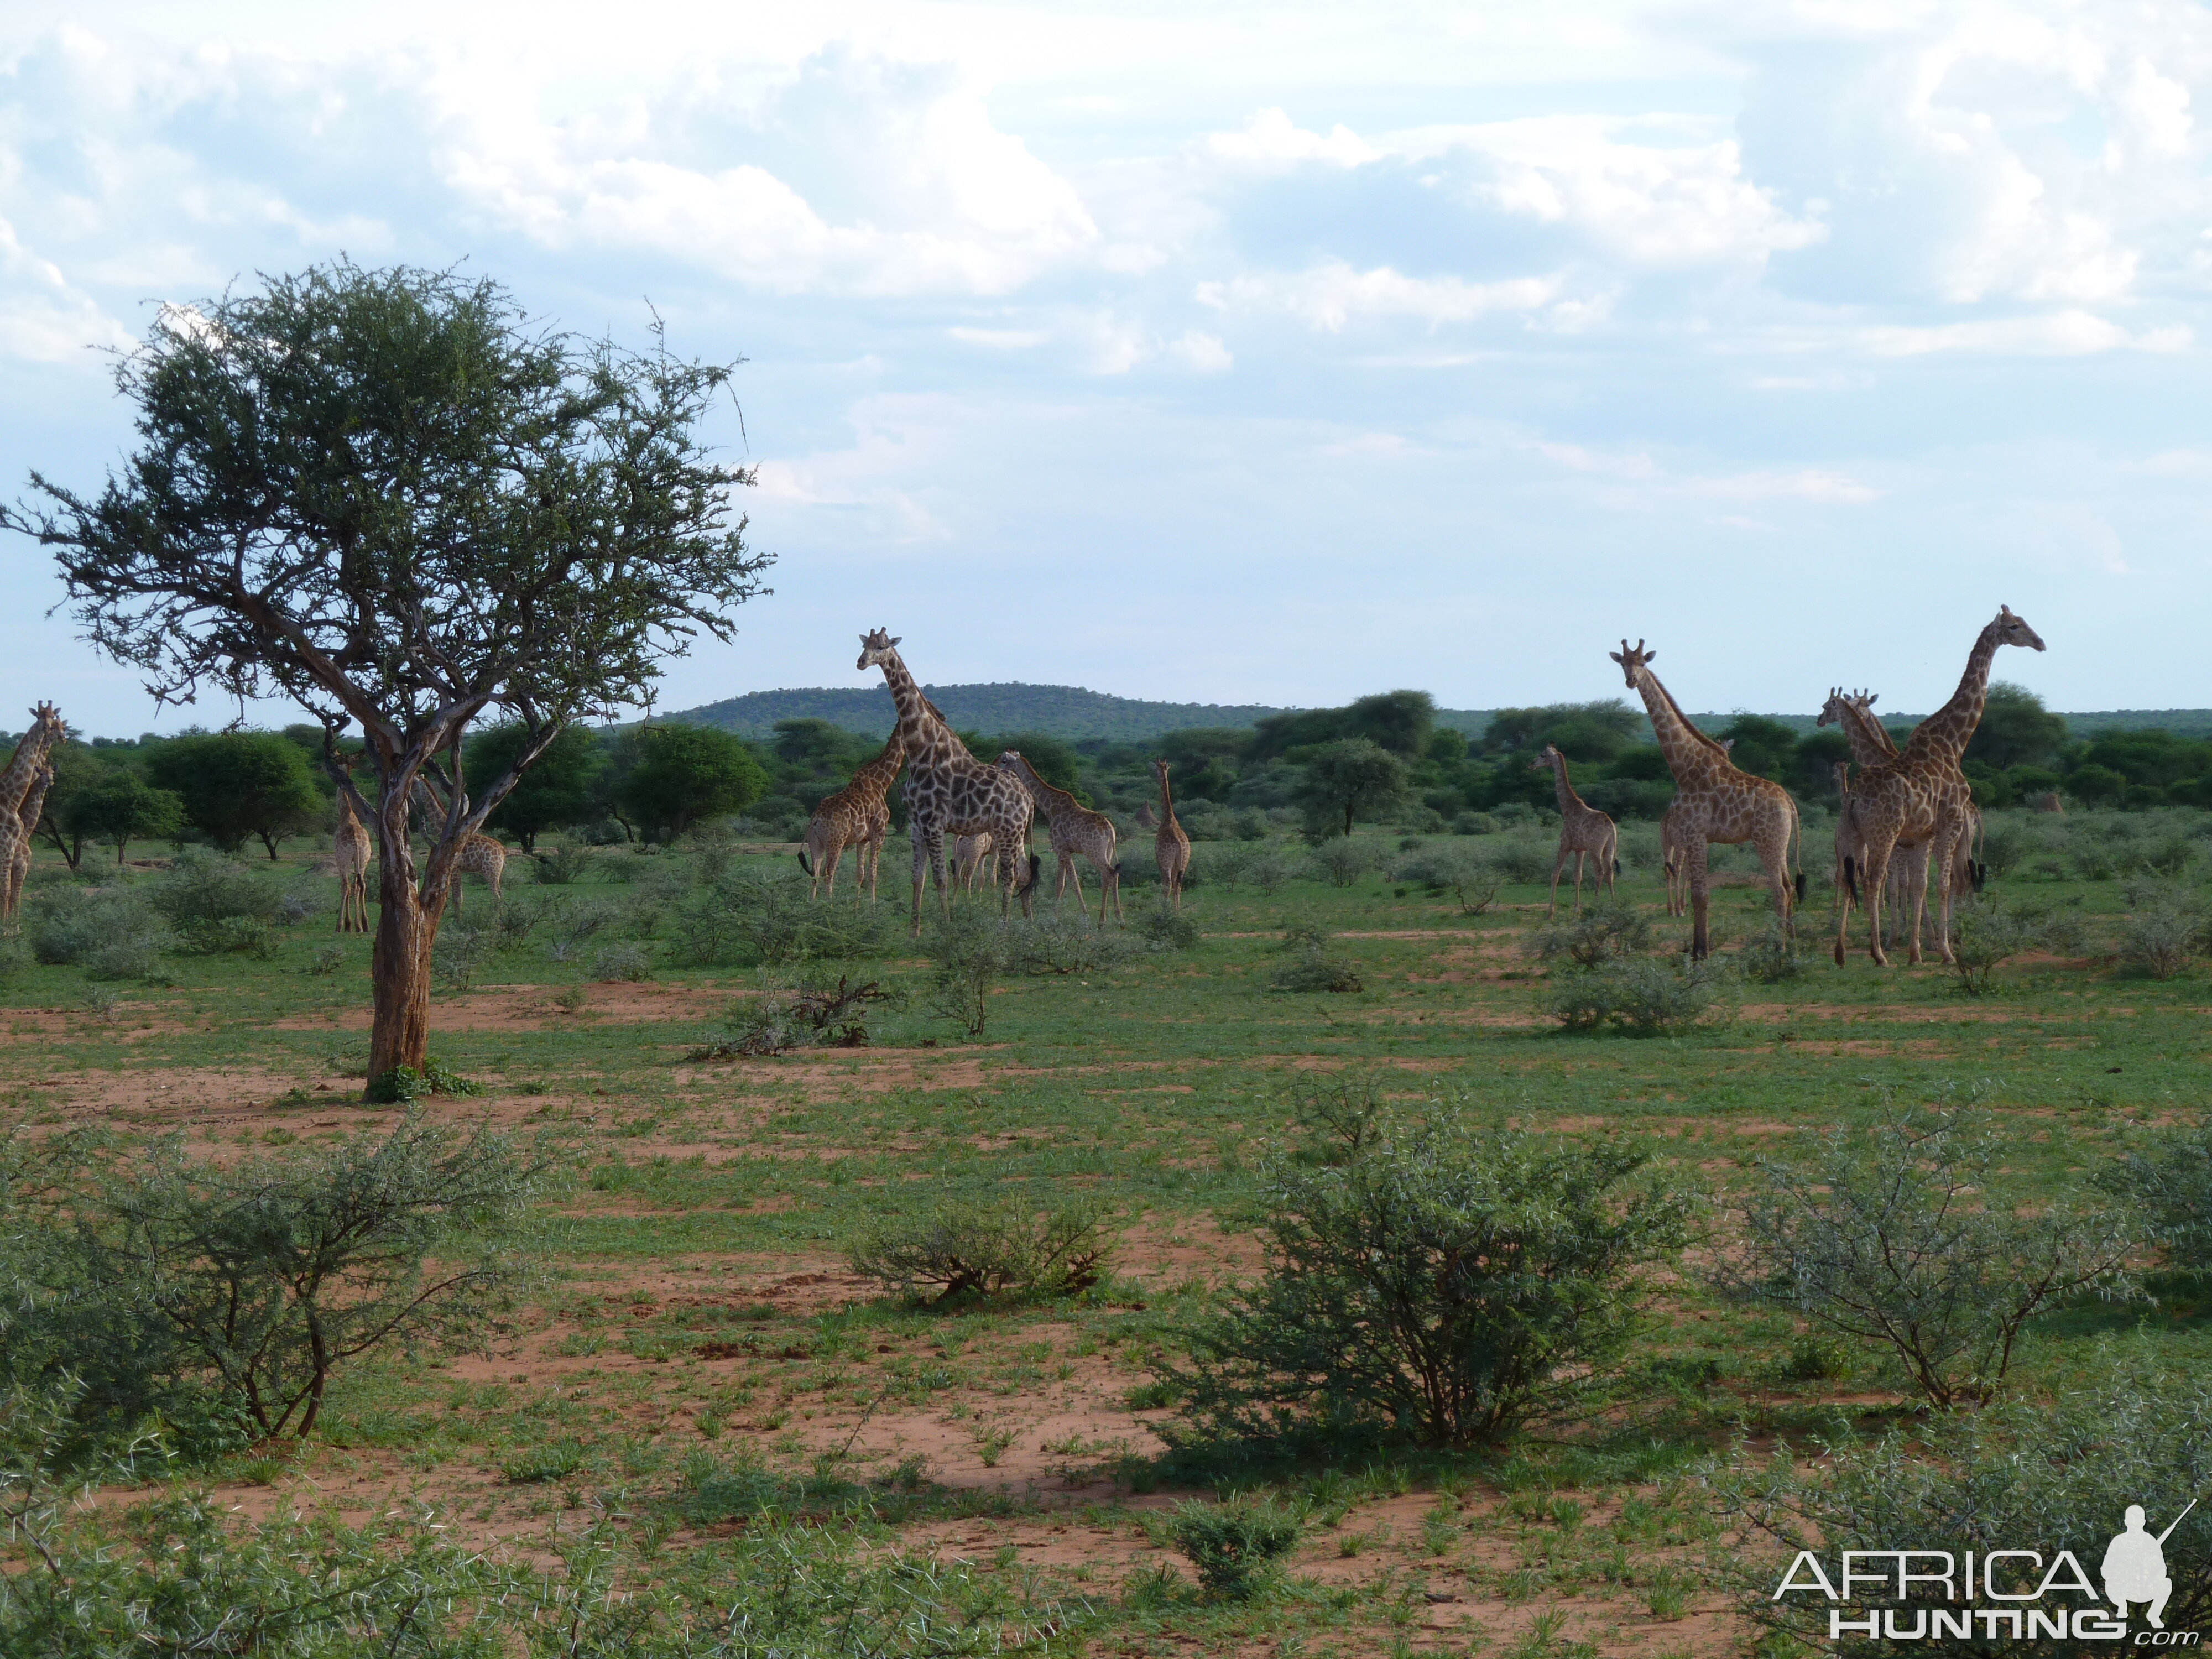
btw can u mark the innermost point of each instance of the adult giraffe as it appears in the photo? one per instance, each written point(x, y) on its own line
point(350, 852)
point(1871, 745)
point(1923, 793)
point(1714, 801)
point(948, 790)
point(34, 802)
point(20, 776)
point(1072, 828)
point(1170, 845)
point(1585, 832)
point(856, 817)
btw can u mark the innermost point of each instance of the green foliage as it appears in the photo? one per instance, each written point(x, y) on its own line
point(1234, 1546)
point(756, 917)
point(217, 904)
point(1601, 933)
point(403, 1084)
point(1986, 935)
point(114, 934)
point(1454, 867)
point(1894, 1236)
point(1065, 942)
point(974, 951)
point(1341, 863)
point(1582, 731)
point(566, 864)
point(560, 788)
point(460, 953)
point(2046, 1475)
point(1349, 779)
point(1308, 966)
point(2165, 1182)
point(628, 962)
point(1164, 927)
point(1444, 1282)
point(1002, 1247)
point(236, 787)
point(2162, 938)
point(115, 807)
point(684, 774)
point(1636, 996)
point(1773, 956)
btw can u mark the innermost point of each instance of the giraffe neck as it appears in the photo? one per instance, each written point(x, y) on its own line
point(1869, 739)
point(1055, 799)
point(24, 767)
point(918, 722)
point(1691, 756)
point(1944, 734)
point(1570, 802)
point(1167, 803)
point(35, 801)
point(874, 779)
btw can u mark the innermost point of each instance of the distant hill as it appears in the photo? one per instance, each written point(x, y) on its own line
point(1066, 711)
point(1070, 712)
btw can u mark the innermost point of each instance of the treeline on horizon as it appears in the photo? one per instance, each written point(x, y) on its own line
point(1387, 756)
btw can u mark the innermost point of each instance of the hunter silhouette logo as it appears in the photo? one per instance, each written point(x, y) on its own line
point(2134, 1566)
point(2000, 1594)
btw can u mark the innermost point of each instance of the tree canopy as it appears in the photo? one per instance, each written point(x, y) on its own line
point(396, 498)
point(236, 787)
point(560, 788)
point(687, 772)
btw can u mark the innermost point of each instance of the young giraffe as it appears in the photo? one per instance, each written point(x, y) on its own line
point(1170, 847)
point(350, 851)
point(480, 855)
point(1585, 832)
point(949, 791)
point(1671, 843)
point(854, 817)
point(1923, 793)
point(1714, 801)
point(1072, 828)
point(1906, 892)
point(22, 775)
point(18, 867)
point(969, 853)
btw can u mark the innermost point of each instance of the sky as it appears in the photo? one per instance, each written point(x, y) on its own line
point(1240, 353)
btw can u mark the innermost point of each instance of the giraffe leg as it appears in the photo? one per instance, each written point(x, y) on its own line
point(1914, 906)
point(1559, 868)
point(1694, 856)
point(1879, 845)
point(1070, 871)
point(1947, 842)
point(835, 851)
point(1580, 858)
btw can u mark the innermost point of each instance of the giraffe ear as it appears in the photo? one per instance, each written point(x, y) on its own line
point(1651, 656)
point(1616, 657)
point(896, 639)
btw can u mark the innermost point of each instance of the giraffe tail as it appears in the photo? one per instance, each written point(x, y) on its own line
point(803, 863)
point(1851, 877)
point(1801, 887)
point(1035, 864)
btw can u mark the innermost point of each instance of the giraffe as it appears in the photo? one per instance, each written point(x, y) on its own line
point(854, 817)
point(1906, 891)
point(969, 853)
point(479, 854)
point(1923, 791)
point(350, 851)
point(34, 802)
point(949, 791)
point(20, 776)
point(1170, 847)
point(1585, 832)
point(1072, 828)
point(1671, 843)
point(1714, 801)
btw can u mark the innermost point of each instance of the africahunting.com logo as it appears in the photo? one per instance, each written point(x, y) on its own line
point(2002, 1595)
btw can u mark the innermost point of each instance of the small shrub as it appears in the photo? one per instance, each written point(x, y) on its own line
point(778, 1021)
point(1234, 1546)
point(295, 908)
point(1315, 969)
point(1341, 861)
point(1164, 928)
point(974, 953)
point(1773, 956)
point(1466, 872)
point(111, 935)
point(1445, 1282)
point(1066, 942)
point(403, 1083)
point(2093, 862)
point(1228, 863)
point(2169, 855)
point(1989, 934)
point(217, 905)
point(459, 954)
point(1598, 936)
point(2165, 1180)
point(513, 923)
point(1475, 824)
point(571, 922)
point(628, 962)
point(2046, 1475)
point(2160, 943)
point(1521, 858)
point(1640, 997)
point(568, 862)
point(1269, 869)
point(327, 960)
point(2005, 845)
point(1892, 1236)
point(548, 1459)
point(989, 1249)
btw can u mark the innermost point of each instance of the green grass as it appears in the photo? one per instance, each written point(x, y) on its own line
point(694, 1191)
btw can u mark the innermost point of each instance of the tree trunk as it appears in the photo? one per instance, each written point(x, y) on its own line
point(400, 968)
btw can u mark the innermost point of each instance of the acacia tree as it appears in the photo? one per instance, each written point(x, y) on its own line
point(396, 498)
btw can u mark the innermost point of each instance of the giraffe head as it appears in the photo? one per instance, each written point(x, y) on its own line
point(1631, 661)
point(1832, 710)
point(47, 719)
point(874, 647)
point(2013, 630)
point(1160, 771)
point(1543, 762)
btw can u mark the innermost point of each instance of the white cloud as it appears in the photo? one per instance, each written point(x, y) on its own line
point(45, 317)
point(1330, 295)
point(1269, 142)
point(2051, 334)
point(1201, 352)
